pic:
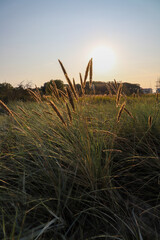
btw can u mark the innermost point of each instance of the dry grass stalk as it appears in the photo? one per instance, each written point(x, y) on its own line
point(129, 113)
point(90, 73)
point(150, 121)
point(47, 112)
point(109, 89)
point(116, 85)
point(38, 114)
point(86, 73)
point(4, 106)
point(17, 115)
point(34, 95)
point(112, 150)
point(118, 94)
point(120, 111)
point(62, 94)
point(57, 111)
point(38, 92)
point(82, 84)
point(69, 112)
point(105, 132)
point(22, 110)
point(112, 87)
point(70, 97)
point(52, 90)
point(68, 80)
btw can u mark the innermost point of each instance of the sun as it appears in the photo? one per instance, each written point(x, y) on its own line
point(104, 59)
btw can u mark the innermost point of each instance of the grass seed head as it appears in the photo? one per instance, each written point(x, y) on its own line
point(57, 111)
point(120, 111)
point(118, 94)
point(4, 106)
point(68, 80)
point(70, 97)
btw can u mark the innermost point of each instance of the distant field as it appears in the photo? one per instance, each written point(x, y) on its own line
point(80, 169)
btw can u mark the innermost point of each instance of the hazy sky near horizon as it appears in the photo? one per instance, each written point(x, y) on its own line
point(34, 34)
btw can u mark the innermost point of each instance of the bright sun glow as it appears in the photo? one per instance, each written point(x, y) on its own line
point(104, 59)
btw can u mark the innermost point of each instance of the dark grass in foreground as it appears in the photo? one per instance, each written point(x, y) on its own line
point(92, 178)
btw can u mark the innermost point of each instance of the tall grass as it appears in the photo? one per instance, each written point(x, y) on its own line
point(84, 177)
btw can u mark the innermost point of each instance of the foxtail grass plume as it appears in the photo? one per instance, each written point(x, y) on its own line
point(120, 111)
point(70, 97)
point(34, 95)
point(4, 106)
point(68, 80)
point(86, 73)
point(90, 73)
point(118, 95)
point(57, 111)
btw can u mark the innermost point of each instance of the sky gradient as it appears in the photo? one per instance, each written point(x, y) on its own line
point(36, 33)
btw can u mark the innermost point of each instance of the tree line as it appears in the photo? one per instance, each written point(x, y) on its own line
point(10, 93)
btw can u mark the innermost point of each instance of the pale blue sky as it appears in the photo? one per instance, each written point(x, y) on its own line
point(34, 34)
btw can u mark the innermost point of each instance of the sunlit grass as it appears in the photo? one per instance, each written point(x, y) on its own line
point(91, 178)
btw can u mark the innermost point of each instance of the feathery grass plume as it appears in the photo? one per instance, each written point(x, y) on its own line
point(18, 115)
point(90, 73)
point(38, 92)
point(62, 94)
point(52, 91)
point(34, 95)
point(138, 93)
point(86, 73)
point(54, 86)
point(69, 112)
point(112, 87)
point(129, 113)
point(4, 106)
point(109, 89)
point(118, 94)
point(22, 110)
point(38, 114)
point(120, 111)
point(82, 85)
point(70, 97)
point(68, 80)
point(150, 121)
point(57, 111)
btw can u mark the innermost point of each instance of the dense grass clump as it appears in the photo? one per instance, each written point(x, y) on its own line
point(90, 178)
point(80, 167)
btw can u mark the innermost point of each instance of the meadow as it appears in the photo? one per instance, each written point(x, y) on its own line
point(83, 167)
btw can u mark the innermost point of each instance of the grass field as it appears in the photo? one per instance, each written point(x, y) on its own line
point(81, 174)
point(80, 167)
